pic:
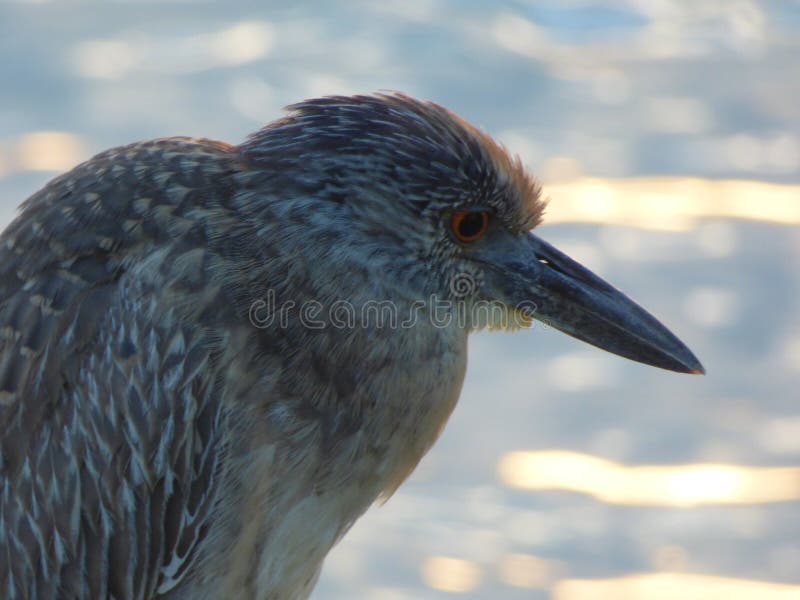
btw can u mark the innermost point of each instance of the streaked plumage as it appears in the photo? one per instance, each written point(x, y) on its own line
point(156, 443)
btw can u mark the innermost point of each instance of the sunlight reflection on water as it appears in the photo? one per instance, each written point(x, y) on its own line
point(671, 586)
point(684, 485)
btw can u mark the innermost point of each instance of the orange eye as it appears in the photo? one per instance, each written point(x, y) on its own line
point(469, 225)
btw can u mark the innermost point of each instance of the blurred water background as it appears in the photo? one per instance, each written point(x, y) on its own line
point(667, 133)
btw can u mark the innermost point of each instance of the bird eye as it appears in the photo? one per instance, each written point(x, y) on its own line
point(469, 225)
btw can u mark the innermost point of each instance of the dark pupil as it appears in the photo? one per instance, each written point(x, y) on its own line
point(471, 225)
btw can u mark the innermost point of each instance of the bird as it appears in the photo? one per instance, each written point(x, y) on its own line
point(214, 358)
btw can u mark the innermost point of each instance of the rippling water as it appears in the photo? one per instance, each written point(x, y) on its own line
point(668, 136)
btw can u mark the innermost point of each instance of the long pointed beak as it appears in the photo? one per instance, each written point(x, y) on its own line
point(574, 300)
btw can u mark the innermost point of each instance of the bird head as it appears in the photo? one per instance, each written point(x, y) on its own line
point(437, 209)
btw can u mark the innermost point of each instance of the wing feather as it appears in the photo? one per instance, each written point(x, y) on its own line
point(110, 419)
